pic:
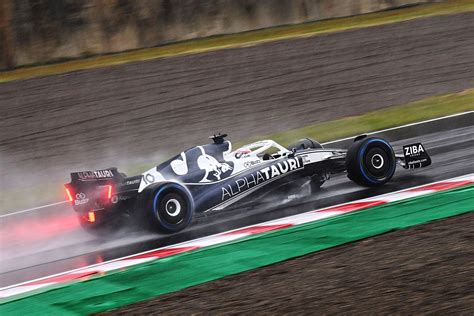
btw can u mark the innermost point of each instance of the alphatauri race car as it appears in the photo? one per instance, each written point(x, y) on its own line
point(212, 177)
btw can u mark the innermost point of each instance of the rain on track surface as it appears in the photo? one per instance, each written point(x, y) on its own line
point(132, 110)
point(61, 245)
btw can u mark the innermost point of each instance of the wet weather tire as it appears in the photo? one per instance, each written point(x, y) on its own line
point(170, 209)
point(370, 162)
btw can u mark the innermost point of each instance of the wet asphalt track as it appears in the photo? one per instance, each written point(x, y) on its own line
point(49, 241)
point(320, 78)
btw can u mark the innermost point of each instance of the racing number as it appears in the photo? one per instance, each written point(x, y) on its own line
point(148, 178)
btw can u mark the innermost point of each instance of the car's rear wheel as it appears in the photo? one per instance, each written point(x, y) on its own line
point(170, 208)
point(370, 162)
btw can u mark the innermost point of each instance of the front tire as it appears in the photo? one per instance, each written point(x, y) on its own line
point(170, 209)
point(370, 162)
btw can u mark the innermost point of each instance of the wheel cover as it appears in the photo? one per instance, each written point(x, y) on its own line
point(377, 161)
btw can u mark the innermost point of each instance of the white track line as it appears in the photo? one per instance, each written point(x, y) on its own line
point(333, 141)
point(33, 208)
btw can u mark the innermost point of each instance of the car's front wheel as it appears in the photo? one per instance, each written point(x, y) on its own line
point(370, 162)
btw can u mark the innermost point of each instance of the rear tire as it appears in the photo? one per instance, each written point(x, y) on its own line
point(370, 162)
point(170, 209)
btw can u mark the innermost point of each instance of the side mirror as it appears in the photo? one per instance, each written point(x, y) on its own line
point(292, 154)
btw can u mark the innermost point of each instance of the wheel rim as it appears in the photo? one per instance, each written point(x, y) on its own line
point(377, 161)
point(173, 207)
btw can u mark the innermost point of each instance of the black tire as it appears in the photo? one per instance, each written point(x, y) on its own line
point(305, 143)
point(170, 209)
point(370, 162)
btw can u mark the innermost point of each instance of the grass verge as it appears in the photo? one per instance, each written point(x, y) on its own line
point(417, 111)
point(243, 39)
point(425, 109)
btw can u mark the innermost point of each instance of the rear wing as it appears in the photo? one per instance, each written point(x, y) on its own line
point(104, 175)
point(89, 191)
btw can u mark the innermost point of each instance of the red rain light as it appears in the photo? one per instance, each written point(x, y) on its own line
point(91, 217)
point(69, 195)
point(109, 191)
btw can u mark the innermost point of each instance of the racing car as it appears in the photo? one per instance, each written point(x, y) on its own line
point(213, 177)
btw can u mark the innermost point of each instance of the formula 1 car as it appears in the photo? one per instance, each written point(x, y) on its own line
point(212, 177)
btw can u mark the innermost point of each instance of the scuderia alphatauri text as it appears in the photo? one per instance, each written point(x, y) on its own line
point(263, 175)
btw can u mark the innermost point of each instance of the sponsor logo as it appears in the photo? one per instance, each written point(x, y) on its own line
point(81, 199)
point(130, 182)
point(214, 169)
point(413, 150)
point(99, 174)
point(247, 182)
point(419, 161)
point(242, 153)
point(416, 156)
point(117, 198)
point(80, 196)
point(249, 164)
